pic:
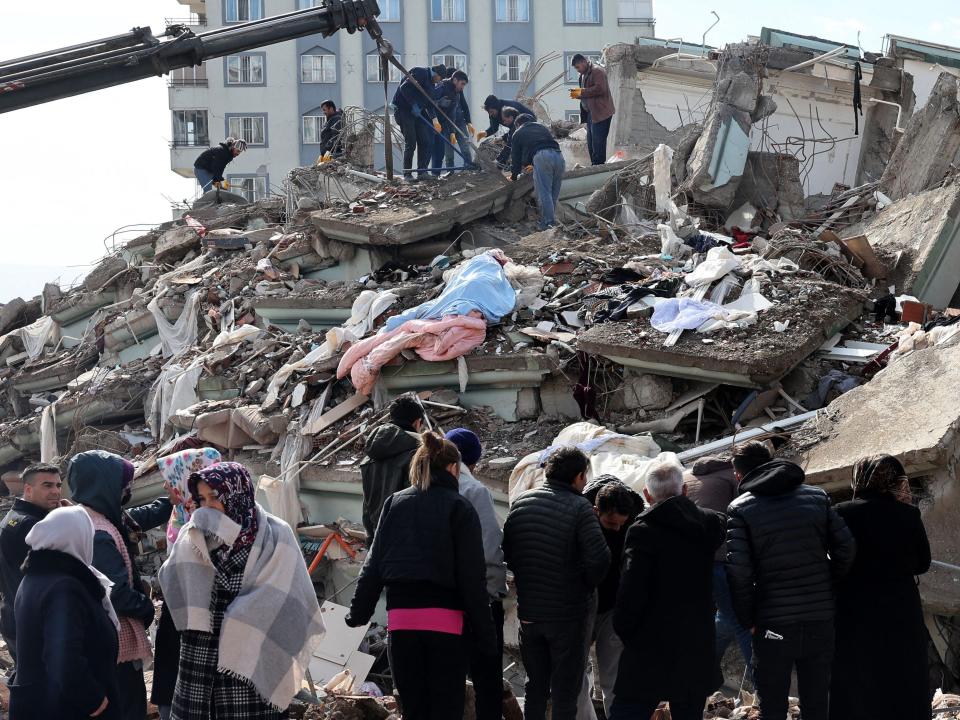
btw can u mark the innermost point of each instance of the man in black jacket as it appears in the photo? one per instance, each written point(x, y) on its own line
point(386, 467)
point(414, 114)
point(494, 107)
point(41, 494)
point(331, 141)
point(533, 148)
point(553, 544)
point(664, 612)
point(209, 166)
point(786, 546)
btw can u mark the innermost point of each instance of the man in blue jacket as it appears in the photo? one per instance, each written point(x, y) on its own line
point(535, 150)
point(448, 94)
point(414, 115)
point(494, 107)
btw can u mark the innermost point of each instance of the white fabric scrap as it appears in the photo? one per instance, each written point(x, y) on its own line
point(719, 262)
point(175, 338)
point(48, 433)
point(175, 389)
point(36, 335)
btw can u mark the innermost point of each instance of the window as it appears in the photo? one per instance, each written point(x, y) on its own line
point(306, 4)
point(573, 77)
point(253, 129)
point(452, 60)
point(194, 76)
point(510, 11)
point(190, 127)
point(573, 116)
point(374, 71)
point(312, 125)
point(582, 12)
point(510, 68)
point(448, 10)
point(389, 11)
point(635, 11)
point(243, 10)
point(245, 69)
point(252, 188)
point(318, 68)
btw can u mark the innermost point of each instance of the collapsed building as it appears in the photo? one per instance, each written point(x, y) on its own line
point(723, 280)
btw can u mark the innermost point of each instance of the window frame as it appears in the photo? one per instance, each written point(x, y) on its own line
point(229, 118)
point(199, 140)
point(571, 115)
point(323, 69)
point(439, 4)
point(598, 4)
point(440, 59)
point(520, 70)
point(389, 4)
point(261, 56)
point(392, 70)
point(237, 185)
point(498, 18)
point(251, 5)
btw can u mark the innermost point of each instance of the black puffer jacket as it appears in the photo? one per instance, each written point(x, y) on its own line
point(553, 544)
point(786, 546)
point(214, 160)
point(428, 553)
point(385, 470)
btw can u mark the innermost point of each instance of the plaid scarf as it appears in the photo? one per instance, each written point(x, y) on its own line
point(270, 628)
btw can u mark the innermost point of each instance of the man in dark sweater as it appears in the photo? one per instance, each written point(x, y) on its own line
point(448, 94)
point(414, 114)
point(494, 107)
point(533, 149)
point(553, 544)
point(41, 494)
point(209, 166)
point(331, 140)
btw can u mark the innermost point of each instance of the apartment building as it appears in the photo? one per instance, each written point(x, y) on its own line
point(271, 96)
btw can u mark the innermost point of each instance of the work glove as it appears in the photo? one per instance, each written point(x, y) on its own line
point(471, 129)
point(436, 125)
point(575, 93)
point(225, 184)
point(481, 135)
point(453, 138)
point(326, 157)
point(528, 169)
point(350, 621)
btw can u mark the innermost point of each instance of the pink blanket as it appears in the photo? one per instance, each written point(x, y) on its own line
point(434, 340)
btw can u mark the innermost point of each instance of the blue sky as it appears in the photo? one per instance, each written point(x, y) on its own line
point(77, 169)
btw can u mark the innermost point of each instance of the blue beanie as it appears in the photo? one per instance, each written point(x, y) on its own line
point(467, 443)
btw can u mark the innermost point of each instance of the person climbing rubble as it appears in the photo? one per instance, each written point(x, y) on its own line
point(389, 449)
point(209, 166)
point(485, 669)
point(534, 149)
point(101, 482)
point(331, 136)
point(553, 544)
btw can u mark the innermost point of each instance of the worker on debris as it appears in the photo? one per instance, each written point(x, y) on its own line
point(486, 670)
point(464, 124)
point(880, 666)
point(494, 107)
point(553, 544)
point(209, 166)
point(508, 117)
point(428, 554)
point(664, 612)
point(67, 628)
point(448, 94)
point(712, 484)
point(101, 483)
point(331, 136)
point(534, 149)
point(386, 467)
point(596, 106)
point(175, 470)
point(414, 116)
point(240, 594)
point(786, 546)
point(616, 507)
point(41, 494)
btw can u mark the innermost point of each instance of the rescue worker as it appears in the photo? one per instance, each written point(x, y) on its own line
point(209, 166)
point(414, 115)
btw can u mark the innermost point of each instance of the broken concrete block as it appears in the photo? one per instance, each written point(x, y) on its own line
point(740, 90)
point(645, 391)
point(719, 157)
point(771, 181)
point(175, 243)
point(11, 315)
point(103, 273)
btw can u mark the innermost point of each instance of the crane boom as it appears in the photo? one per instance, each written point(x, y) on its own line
point(138, 54)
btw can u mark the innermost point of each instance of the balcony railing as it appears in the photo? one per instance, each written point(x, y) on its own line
point(192, 21)
point(188, 82)
point(190, 142)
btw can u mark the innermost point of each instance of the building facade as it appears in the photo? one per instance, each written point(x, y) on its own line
point(271, 96)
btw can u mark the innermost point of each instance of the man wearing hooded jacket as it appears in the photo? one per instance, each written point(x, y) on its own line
point(786, 546)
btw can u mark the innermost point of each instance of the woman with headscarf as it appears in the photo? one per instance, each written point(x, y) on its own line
point(175, 470)
point(880, 663)
point(237, 587)
point(102, 483)
point(66, 627)
point(428, 553)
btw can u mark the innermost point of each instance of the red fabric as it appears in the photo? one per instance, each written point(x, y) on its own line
point(440, 620)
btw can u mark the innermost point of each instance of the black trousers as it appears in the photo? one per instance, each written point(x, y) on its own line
point(554, 655)
point(132, 692)
point(686, 708)
point(809, 647)
point(417, 136)
point(486, 672)
point(429, 671)
point(597, 141)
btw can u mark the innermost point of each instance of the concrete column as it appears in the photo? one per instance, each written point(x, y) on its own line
point(416, 25)
point(353, 69)
point(481, 61)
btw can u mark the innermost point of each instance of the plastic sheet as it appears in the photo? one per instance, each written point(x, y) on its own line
point(175, 389)
point(719, 262)
point(36, 335)
point(685, 314)
point(48, 433)
point(175, 338)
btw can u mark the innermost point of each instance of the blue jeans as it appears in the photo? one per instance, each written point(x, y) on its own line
point(597, 141)
point(204, 177)
point(727, 626)
point(548, 169)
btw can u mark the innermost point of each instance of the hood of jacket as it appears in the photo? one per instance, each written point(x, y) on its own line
point(710, 465)
point(388, 441)
point(773, 478)
point(678, 514)
point(95, 478)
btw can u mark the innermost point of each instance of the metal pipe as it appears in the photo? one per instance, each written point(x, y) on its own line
point(826, 56)
point(898, 106)
point(703, 41)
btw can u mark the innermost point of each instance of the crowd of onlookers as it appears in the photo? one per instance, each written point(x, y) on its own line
point(655, 584)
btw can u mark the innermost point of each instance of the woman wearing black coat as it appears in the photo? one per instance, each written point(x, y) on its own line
point(66, 627)
point(880, 664)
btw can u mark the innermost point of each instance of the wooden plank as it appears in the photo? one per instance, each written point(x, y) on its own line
point(335, 414)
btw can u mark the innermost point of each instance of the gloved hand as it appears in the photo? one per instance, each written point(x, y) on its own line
point(481, 135)
point(528, 169)
point(351, 621)
point(453, 138)
point(575, 93)
point(471, 129)
point(218, 184)
point(436, 125)
point(326, 157)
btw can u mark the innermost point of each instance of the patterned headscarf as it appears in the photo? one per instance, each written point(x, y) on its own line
point(879, 474)
point(233, 486)
point(175, 469)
